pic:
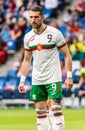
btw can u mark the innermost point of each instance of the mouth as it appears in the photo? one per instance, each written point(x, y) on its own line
point(34, 24)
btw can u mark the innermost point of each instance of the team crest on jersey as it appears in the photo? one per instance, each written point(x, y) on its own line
point(39, 47)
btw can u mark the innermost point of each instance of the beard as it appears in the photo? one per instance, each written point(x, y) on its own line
point(36, 26)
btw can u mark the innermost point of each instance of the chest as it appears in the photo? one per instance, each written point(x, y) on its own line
point(46, 39)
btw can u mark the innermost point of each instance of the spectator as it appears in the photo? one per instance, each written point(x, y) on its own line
point(17, 64)
point(23, 5)
point(76, 49)
point(81, 92)
point(3, 52)
point(18, 3)
point(53, 5)
point(68, 15)
point(3, 6)
point(10, 18)
point(54, 24)
point(2, 19)
point(31, 4)
point(5, 33)
point(12, 5)
point(16, 34)
point(75, 28)
point(81, 6)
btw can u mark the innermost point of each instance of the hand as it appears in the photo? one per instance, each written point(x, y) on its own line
point(81, 92)
point(21, 87)
point(68, 83)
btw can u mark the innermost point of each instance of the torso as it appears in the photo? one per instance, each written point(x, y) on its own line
point(46, 64)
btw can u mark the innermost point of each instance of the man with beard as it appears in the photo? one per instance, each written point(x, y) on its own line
point(43, 43)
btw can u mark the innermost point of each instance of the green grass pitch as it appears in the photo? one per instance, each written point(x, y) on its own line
point(22, 119)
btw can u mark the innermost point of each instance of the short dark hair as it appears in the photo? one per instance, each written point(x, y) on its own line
point(36, 9)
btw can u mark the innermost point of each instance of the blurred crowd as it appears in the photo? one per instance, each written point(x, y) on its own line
point(14, 21)
point(14, 24)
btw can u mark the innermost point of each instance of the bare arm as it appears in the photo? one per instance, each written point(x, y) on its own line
point(26, 63)
point(68, 65)
point(24, 69)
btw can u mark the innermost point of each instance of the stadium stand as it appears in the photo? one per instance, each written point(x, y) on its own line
point(9, 94)
point(14, 23)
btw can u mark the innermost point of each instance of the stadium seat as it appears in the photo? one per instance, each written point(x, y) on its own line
point(27, 86)
point(66, 93)
point(47, 13)
point(2, 85)
point(12, 81)
point(7, 94)
point(80, 99)
point(76, 92)
point(11, 47)
point(10, 86)
point(11, 72)
point(67, 98)
point(77, 100)
point(75, 75)
point(2, 82)
point(18, 95)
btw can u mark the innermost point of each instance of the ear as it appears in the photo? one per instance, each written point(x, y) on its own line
point(43, 17)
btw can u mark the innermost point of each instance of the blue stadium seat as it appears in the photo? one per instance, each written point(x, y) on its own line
point(11, 72)
point(67, 98)
point(12, 81)
point(2, 85)
point(11, 47)
point(47, 13)
point(2, 82)
point(27, 86)
point(76, 90)
point(7, 94)
point(11, 85)
point(75, 75)
point(18, 95)
point(66, 93)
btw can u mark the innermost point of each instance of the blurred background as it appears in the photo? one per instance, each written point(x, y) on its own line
point(66, 15)
point(16, 111)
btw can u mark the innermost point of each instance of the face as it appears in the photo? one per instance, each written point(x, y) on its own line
point(36, 19)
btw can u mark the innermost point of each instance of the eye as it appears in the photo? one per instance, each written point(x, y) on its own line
point(36, 16)
point(31, 16)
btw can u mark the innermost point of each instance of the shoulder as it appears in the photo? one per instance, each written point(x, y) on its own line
point(56, 33)
point(52, 29)
point(29, 34)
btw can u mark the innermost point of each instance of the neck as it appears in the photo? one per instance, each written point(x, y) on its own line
point(40, 29)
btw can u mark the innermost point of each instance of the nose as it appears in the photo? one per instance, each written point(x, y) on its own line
point(33, 19)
